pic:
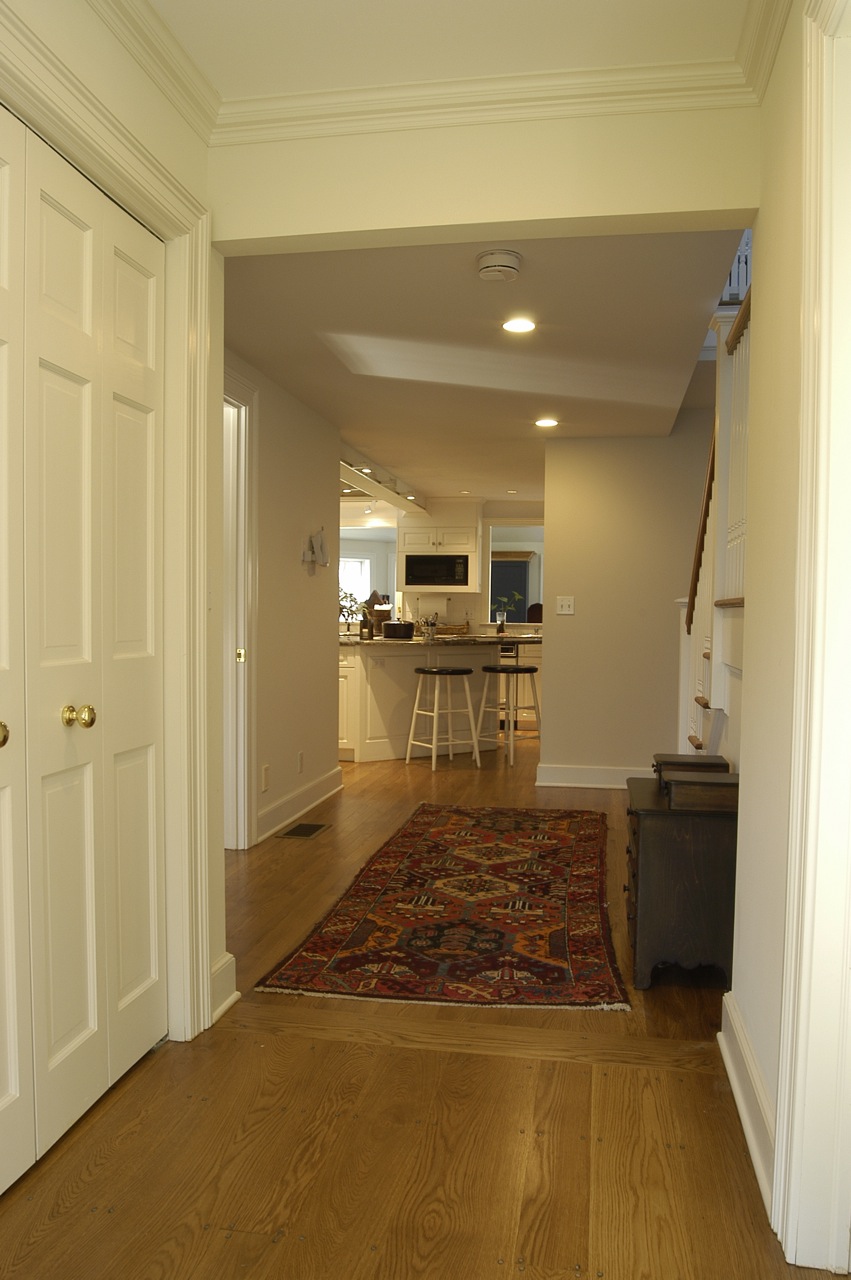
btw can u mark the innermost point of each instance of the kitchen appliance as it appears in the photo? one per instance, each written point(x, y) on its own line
point(398, 630)
point(435, 571)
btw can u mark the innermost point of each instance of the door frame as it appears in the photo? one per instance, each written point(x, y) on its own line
point(47, 97)
point(239, 611)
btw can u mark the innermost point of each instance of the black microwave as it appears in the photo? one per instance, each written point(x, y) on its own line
point(437, 571)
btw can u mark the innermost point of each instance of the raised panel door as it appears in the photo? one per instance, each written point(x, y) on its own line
point(94, 616)
point(64, 659)
point(17, 1123)
point(131, 557)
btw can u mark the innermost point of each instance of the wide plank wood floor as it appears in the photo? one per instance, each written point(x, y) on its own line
point(321, 1139)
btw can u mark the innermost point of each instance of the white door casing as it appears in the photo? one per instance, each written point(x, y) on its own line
point(17, 1126)
point(239, 592)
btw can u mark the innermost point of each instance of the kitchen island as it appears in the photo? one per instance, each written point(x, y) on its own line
point(378, 684)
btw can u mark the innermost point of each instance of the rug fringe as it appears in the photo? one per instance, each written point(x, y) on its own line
point(618, 1007)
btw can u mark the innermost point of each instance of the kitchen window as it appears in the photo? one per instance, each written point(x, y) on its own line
point(355, 577)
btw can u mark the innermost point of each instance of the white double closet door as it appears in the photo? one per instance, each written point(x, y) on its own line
point(82, 947)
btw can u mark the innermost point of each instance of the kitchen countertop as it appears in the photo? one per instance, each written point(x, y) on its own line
point(421, 641)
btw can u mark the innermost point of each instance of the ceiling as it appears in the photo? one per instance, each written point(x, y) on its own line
point(402, 348)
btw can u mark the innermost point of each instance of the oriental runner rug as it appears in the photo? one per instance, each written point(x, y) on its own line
point(471, 906)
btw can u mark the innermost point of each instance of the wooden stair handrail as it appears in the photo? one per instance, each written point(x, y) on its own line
point(701, 537)
point(740, 324)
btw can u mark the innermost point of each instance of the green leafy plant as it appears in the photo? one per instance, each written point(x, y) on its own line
point(506, 604)
point(350, 608)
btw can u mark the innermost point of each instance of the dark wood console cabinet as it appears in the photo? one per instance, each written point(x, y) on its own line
point(681, 883)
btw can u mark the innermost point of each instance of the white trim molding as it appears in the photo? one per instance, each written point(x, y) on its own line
point(596, 776)
point(752, 1101)
point(291, 807)
point(811, 1202)
point(486, 100)
point(164, 61)
point(740, 81)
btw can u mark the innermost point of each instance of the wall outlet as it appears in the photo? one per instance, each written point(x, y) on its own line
point(264, 778)
point(565, 604)
point(300, 762)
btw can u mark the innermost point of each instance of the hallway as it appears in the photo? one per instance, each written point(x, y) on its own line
point(317, 1139)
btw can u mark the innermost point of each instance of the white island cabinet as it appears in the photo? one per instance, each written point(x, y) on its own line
point(378, 684)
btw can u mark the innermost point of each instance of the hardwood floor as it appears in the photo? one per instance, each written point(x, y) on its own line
point(321, 1139)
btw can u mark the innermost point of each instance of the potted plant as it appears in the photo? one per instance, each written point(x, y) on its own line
point(350, 608)
point(502, 606)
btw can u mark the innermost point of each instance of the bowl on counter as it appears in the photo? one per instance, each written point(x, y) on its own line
point(398, 630)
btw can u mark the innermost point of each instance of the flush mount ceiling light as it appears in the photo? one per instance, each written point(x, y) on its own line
point(519, 324)
point(546, 422)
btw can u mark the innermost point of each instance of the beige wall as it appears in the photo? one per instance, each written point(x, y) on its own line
point(586, 176)
point(621, 521)
point(297, 457)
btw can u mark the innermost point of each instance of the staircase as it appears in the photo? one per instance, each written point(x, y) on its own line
point(713, 624)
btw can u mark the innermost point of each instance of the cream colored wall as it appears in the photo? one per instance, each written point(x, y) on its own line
point(770, 583)
point(650, 171)
point(296, 642)
point(619, 537)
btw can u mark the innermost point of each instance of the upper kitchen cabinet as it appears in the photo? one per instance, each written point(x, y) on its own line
point(441, 551)
point(444, 540)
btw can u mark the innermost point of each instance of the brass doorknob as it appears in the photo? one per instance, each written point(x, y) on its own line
point(4, 733)
point(84, 717)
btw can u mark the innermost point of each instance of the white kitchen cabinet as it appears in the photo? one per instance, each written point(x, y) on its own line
point(348, 732)
point(443, 539)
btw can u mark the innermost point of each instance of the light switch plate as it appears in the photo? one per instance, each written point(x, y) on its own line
point(565, 604)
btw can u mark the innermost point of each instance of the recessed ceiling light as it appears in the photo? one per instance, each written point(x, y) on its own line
point(367, 471)
point(511, 491)
point(411, 497)
point(519, 324)
point(546, 422)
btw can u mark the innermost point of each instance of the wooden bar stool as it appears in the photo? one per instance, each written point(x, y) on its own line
point(442, 676)
point(501, 688)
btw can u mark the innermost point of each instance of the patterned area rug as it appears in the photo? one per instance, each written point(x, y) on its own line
point(471, 906)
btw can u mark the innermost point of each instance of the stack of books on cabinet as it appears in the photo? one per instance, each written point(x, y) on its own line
point(682, 865)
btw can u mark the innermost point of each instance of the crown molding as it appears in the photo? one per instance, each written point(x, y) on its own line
point(39, 88)
point(445, 104)
point(830, 17)
point(163, 59)
point(762, 32)
point(490, 100)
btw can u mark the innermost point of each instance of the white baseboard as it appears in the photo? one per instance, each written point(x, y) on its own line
point(752, 1101)
point(291, 807)
point(565, 775)
point(223, 992)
